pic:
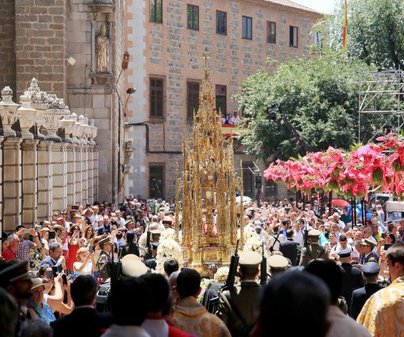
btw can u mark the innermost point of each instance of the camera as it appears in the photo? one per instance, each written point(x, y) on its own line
point(64, 278)
point(75, 207)
point(52, 235)
point(57, 270)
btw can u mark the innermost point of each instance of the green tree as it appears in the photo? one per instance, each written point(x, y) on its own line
point(375, 31)
point(305, 105)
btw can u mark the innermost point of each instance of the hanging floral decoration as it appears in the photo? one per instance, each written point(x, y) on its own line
point(351, 174)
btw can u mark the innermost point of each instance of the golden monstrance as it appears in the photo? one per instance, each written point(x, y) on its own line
point(206, 189)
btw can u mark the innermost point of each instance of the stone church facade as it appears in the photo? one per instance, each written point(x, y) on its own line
point(168, 39)
point(76, 50)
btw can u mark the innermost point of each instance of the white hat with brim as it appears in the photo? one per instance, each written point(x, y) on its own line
point(133, 266)
point(250, 259)
point(36, 282)
point(167, 219)
point(154, 228)
point(314, 233)
point(278, 262)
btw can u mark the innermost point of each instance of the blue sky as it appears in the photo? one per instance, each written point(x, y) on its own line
point(324, 6)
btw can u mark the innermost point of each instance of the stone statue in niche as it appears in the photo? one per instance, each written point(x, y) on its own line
point(102, 50)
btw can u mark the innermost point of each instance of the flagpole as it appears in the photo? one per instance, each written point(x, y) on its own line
point(345, 27)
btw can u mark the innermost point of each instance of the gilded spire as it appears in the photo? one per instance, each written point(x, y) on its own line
point(207, 186)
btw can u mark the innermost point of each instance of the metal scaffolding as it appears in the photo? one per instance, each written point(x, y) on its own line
point(381, 93)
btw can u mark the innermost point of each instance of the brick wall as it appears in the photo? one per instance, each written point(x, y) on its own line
point(172, 51)
point(40, 27)
point(7, 33)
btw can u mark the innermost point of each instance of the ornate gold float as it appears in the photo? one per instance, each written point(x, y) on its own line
point(206, 189)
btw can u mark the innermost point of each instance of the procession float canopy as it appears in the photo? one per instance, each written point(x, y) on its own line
point(206, 188)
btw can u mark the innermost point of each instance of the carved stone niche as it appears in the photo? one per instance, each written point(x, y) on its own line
point(102, 10)
point(102, 42)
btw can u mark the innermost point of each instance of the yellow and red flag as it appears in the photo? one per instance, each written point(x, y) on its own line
point(345, 26)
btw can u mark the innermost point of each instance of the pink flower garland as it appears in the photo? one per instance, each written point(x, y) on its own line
point(350, 174)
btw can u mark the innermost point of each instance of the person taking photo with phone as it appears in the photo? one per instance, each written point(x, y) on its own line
point(73, 240)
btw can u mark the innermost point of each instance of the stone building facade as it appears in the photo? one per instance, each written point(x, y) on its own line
point(40, 172)
point(168, 39)
point(60, 42)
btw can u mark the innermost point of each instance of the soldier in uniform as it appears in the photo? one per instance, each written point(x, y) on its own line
point(277, 264)
point(370, 272)
point(313, 250)
point(104, 258)
point(368, 254)
point(16, 281)
point(238, 306)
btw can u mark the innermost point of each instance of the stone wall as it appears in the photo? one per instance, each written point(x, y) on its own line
point(7, 35)
point(171, 51)
point(99, 96)
point(39, 172)
point(40, 32)
point(38, 37)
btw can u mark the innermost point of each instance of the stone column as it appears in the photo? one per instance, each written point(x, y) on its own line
point(12, 191)
point(71, 182)
point(59, 161)
point(90, 173)
point(77, 172)
point(45, 183)
point(84, 174)
point(96, 173)
point(29, 182)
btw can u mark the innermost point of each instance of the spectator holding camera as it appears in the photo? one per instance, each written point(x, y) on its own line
point(84, 264)
point(37, 304)
point(57, 292)
point(55, 257)
point(74, 244)
point(26, 243)
point(84, 320)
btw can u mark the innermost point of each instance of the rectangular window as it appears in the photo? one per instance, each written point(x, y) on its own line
point(156, 98)
point(318, 41)
point(156, 180)
point(156, 11)
point(248, 178)
point(270, 188)
point(221, 100)
point(271, 32)
point(293, 36)
point(221, 23)
point(192, 99)
point(193, 17)
point(247, 28)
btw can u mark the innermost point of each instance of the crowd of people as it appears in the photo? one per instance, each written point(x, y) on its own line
point(299, 270)
point(230, 119)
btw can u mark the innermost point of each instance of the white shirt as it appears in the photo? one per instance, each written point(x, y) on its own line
point(87, 270)
point(343, 325)
point(156, 327)
point(298, 237)
point(125, 331)
point(355, 255)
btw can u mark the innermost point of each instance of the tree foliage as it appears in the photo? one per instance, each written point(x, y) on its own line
point(318, 97)
point(375, 31)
